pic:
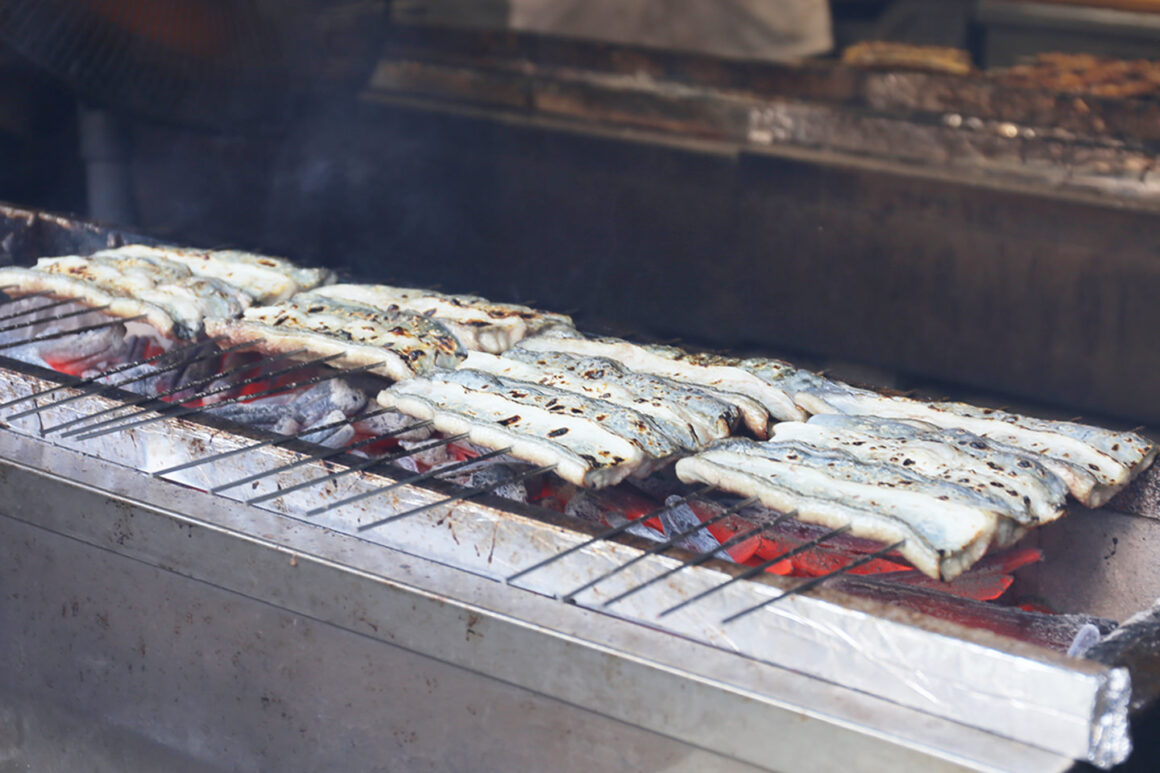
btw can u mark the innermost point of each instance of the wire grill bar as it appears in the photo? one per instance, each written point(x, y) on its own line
point(755, 571)
point(612, 532)
point(91, 426)
point(419, 478)
point(323, 456)
point(102, 388)
point(146, 398)
point(35, 309)
point(816, 581)
point(272, 442)
point(461, 497)
point(695, 560)
point(171, 411)
point(663, 546)
point(384, 459)
point(168, 411)
point(66, 333)
point(49, 320)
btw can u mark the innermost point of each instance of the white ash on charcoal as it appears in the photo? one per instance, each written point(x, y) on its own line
point(589, 505)
point(424, 457)
point(197, 374)
point(391, 421)
point(82, 354)
point(90, 353)
point(1086, 637)
point(331, 432)
point(500, 475)
point(178, 368)
point(678, 517)
point(321, 405)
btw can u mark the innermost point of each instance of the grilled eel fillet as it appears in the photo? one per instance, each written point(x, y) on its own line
point(479, 324)
point(1095, 463)
point(591, 442)
point(1013, 480)
point(266, 279)
point(947, 527)
point(171, 298)
point(757, 397)
point(693, 416)
point(399, 344)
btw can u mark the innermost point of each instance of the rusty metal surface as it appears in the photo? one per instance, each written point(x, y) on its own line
point(26, 233)
point(541, 61)
point(1019, 145)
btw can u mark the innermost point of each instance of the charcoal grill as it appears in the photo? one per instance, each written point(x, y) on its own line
point(227, 599)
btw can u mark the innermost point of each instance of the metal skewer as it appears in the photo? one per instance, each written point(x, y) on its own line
point(816, 581)
point(67, 333)
point(662, 547)
point(271, 442)
point(321, 457)
point(755, 571)
point(146, 398)
point(468, 494)
point(696, 560)
point(113, 372)
point(615, 530)
point(176, 410)
point(384, 459)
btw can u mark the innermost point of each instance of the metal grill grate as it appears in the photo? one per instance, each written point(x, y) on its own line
point(129, 412)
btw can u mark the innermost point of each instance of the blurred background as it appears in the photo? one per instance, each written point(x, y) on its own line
point(924, 192)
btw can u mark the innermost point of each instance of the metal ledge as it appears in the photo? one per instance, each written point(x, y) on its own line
point(645, 678)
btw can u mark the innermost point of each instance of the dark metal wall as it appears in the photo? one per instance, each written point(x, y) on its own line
point(1017, 290)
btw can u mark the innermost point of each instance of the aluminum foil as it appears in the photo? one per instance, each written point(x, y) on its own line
point(1069, 706)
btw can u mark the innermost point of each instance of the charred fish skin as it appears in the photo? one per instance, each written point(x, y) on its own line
point(501, 367)
point(438, 344)
point(696, 415)
point(154, 267)
point(841, 465)
point(398, 344)
point(942, 539)
point(266, 279)
point(652, 439)
point(1014, 480)
point(756, 400)
point(583, 453)
point(1077, 453)
point(22, 281)
point(305, 278)
point(480, 324)
point(187, 298)
point(172, 300)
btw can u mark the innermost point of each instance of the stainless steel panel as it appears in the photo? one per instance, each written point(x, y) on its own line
point(1072, 707)
point(208, 618)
